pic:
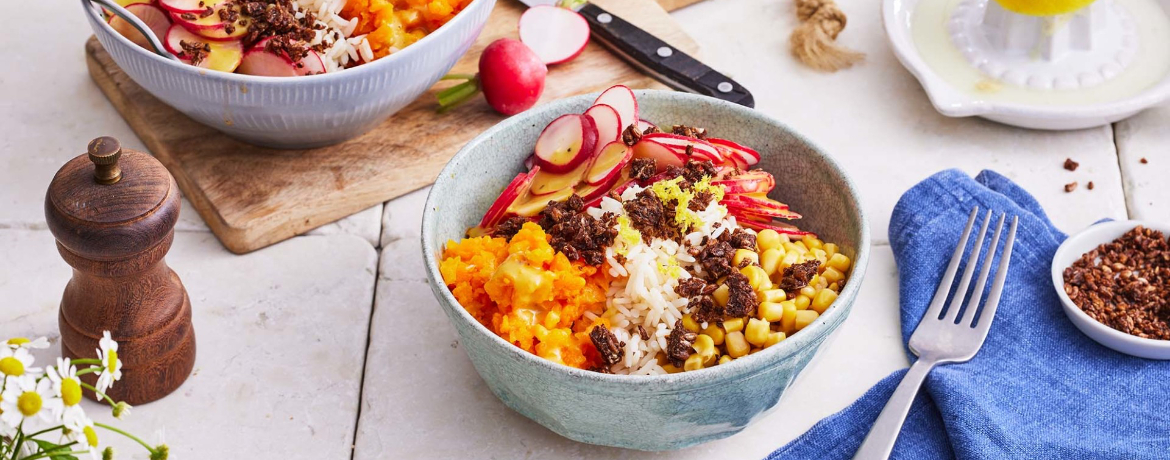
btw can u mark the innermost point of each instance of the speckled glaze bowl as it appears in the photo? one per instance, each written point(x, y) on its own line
point(297, 112)
point(640, 412)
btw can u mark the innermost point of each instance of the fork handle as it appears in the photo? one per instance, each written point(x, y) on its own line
point(880, 441)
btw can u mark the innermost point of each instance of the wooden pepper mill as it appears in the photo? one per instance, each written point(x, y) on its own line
point(113, 212)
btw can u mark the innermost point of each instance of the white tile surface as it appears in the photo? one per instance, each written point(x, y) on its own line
point(281, 342)
point(876, 120)
point(1146, 186)
point(366, 224)
point(422, 397)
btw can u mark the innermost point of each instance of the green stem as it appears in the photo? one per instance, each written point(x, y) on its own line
point(58, 427)
point(128, 435)
point(103, 395)
point(19, 440)
point(94, 361)
point(458, 94)
point(54, 453)
point(457, 76)
point(88, 371)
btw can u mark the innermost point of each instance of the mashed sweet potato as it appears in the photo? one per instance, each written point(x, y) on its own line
point(391, 25)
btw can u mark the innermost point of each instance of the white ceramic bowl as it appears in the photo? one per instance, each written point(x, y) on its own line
point(950, 101)
point(1072, 249)
point(297, 112)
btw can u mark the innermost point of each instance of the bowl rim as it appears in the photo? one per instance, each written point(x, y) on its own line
point(742, 367)
point(954, 103)
point(1099, 232)
point(92, 12)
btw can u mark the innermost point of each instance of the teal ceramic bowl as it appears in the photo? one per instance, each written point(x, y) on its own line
point(646, 412)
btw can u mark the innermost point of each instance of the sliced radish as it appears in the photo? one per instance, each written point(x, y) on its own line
point(212, 26)
point(780, 228)
point(590, 193)
point(530, 161)
point(188, 6)
point(699, 148)
point(534, 204)
point(566, 143)
point(622, 99)
point(643, 125)
point(662, 155)
point(155, 19)
point(758, 206)
point(596, 201)
point(519, 186)
point(743, 156)
point(222, 56)
point(756, 181)
point(555, 34)
point(609, 163)
point(608, 124)
point(549, 182)
point(261, 62)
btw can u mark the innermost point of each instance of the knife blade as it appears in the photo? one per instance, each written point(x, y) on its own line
point(657, 58)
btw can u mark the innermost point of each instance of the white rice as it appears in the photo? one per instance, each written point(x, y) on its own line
point(642, 293)
point(336, 38)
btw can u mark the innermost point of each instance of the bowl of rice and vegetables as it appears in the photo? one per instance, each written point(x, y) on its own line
point(668, 276)
point(290, 73)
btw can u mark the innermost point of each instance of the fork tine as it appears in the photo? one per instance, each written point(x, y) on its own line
point(964, 282)
point(997, 289)
point(973, 304)
point(944, 286)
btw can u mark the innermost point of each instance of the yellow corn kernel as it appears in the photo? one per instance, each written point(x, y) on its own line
point(770, 260)
point(767, 239)
point(737, 345)
point(770, 311)
point(805, 317)
point(757, 278)
point(792, 247)
point(823, 299)
point(788, 320)
point(671, 368)
point(840, 262)
point(732, 325)
point(772, 295)
point(820, 282)
point(715, 333)
point(802, 302)
point(809, 291)
point(831, 249)
point(756, 332)
point(835, 287)
point(790, 258)
point(820, 256)
point(693, 363)
point(721, 295)
point(724, 359)
point(812, 242)
point(744, 254)
point(705, 346)
point(690, 324)
point(831, 275)
point(800, 246)
point(775, 338)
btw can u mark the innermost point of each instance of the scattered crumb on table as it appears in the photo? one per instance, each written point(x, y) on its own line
point(1069, 187)
point(1144, 160)
point(1070, 165)
point(1089, 185)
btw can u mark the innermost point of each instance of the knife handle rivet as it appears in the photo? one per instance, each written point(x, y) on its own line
point(604, 18)
point(665, 51)
point(725, 87)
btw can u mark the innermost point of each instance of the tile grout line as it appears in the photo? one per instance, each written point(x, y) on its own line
point(369, 334)
point(1120, 170)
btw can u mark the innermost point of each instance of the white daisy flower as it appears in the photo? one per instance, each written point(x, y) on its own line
point(23, 342)
point(111, 370)
point(16, 362)
point(66, 385)
point(86, 437)
point(25, 398)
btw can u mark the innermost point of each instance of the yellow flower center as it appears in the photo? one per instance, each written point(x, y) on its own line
point(29, 403)
point(70, 391)
point(18, 341)
point(11, 366)
point(112, 360)
point(90, 436)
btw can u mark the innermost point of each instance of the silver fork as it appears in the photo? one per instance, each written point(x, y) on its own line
point(940, 338)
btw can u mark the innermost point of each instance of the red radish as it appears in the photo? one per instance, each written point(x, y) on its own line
point(662, 155)
point(778, 228)
point(511, 75)
point(547, 182)
point(535, 204)
point(188, 6)
point(259, 61)
point(622, 99)
point(701, 149)
point(555, 34)
point(758, 206)
point(518, 187)
point(566, 143)
point(530, 161)
point(154, 18)
point(222, 56)
point(590, 193)
point(743, 156)
point(756, 181)
point(212, 26)
point(609, 163)
point(643, 125)
point(609, 125)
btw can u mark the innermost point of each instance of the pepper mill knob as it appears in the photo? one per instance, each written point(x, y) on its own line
point(104, 152)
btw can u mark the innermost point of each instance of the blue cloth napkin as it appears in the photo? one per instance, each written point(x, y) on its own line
point(1038, 389)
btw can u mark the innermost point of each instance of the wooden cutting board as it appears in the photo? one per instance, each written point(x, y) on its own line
point(252, 197)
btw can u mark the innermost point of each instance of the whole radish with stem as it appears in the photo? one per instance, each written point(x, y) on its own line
point(511, 78)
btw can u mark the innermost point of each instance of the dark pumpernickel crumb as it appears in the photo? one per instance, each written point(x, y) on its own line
point(689, 131)
point(704, 309)
point(1125, 284)
point(742, 300)
point(715, 258)
point(1089, 185)
point(651, 130)
point(195, 52)
point(607, 345)
point(509, 227)
point(576, 234)
point(690, 287)
point(650, 216)
point(680, 344)
point(695, 171)
point(798, 276)
point(642, 333)
point(642, 169)
point(1069, 187)
point(1070, 165)
point(631, 135)
point(1144, 160)
point(742, 239)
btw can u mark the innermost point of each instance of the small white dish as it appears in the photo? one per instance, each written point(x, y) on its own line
point(1072, 249)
